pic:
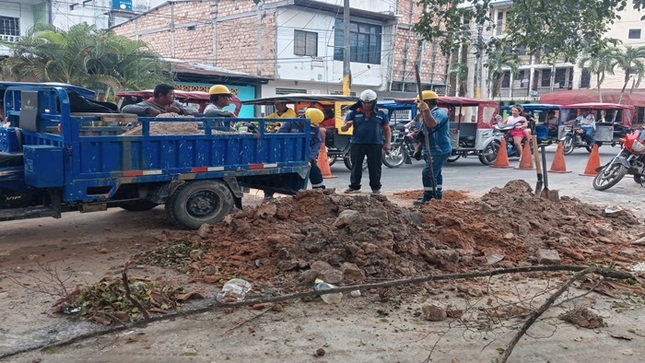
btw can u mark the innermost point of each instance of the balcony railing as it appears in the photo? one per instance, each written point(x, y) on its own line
point(9, 38)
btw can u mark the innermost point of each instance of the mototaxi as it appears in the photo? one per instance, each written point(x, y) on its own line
point(336, 141)
point(613, 121)
point(538, 121)
point(471, 125)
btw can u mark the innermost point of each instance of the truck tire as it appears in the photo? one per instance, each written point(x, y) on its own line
point(199, 202)
point(138, 205)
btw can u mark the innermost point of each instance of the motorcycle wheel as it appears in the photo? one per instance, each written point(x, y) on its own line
point(332, 159)
point(348, 162)
point(638, 179)
point(609, 176)
point(395, 158)
point(568, 146)
point(489, 155)
point(454, 157)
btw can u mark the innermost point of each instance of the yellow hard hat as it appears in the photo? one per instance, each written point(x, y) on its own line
point(429, 95)
point(314, 115)
point(219, 89)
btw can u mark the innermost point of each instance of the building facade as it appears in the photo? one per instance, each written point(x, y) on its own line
point(536, 77)
point(297, 44)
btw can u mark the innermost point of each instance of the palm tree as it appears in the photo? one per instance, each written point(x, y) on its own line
point(459, 71)
point(498, 62)
point(86, 56)
point(599, 64)
point(632, 61)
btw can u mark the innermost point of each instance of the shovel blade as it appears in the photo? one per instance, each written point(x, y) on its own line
point(552, 195)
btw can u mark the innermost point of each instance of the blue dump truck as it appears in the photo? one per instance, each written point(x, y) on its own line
point(55, 160)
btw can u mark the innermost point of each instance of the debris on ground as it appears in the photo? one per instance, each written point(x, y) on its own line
point(583, 318)
point(105, 302)
point(290, 242)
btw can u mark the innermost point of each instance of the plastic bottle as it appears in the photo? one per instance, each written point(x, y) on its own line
point(328, 298)
point(234, 290)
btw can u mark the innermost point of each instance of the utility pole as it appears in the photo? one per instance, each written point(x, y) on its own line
point(347, 72)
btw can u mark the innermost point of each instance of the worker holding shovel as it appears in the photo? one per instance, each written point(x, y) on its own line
point(436, 148)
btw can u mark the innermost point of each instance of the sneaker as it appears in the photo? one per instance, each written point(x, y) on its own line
point(377, 191)
point(351, 190)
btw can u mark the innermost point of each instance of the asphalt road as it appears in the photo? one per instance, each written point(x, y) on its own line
point(470, 175)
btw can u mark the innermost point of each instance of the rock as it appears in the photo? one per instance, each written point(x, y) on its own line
point(548, 257)
point(351, 273)
point(204, 231)
point(355, 293)
point(345, 218)
point(639, 242)
point(307, 277)
point(278, 239)
point(509, 236)
point(321, 266)
point(332, 276)
point(433, 313)
point(266, 210)
point(629, 253)
point(494, 258)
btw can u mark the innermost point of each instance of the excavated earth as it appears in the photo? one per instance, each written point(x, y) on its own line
point(289, 242)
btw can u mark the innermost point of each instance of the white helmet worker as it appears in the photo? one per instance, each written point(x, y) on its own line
point(368, 96)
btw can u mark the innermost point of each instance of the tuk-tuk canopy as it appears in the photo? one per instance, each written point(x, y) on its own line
point(628, 111)
point(533, 106)
point(455, 101)
point(301, 97)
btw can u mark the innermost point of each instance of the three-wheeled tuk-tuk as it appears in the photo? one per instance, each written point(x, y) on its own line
point(545, 121)
point(613, 121)
point(471, 122)
point(336, 141)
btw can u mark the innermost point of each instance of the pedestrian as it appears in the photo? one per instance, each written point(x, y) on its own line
point(162, 101)
point(436, 146)
point(371, 135)
point(315, 117)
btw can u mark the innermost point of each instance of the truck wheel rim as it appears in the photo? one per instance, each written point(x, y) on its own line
point(202, 204)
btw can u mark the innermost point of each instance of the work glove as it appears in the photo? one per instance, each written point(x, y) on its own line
point(422, 106)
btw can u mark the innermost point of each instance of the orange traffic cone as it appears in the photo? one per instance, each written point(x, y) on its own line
point(502, 156)
point(323, 163)
point(558, 165)
point(526, 162)
point(593, 163)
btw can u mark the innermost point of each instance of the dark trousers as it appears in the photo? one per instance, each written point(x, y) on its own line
point(357, 153)
point(315, 175)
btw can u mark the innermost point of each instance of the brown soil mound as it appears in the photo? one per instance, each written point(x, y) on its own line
point(353, 239)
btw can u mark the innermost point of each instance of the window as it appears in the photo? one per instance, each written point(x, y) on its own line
point(506, 81)
point(546, 78)
point(585, 78)
point(499, 24)
point(305, 43)
point(364, 42)
point(561, 77)
point(634, 34)
point(9, 26)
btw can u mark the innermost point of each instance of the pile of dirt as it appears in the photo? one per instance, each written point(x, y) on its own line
point(354, 239)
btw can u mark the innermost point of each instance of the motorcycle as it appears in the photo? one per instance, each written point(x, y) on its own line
point(574, 137)
point(403, 148)
point(500, 131)
point(334, 153)
point(630, 160)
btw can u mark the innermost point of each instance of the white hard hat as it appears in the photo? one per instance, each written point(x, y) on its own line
point(368, 96)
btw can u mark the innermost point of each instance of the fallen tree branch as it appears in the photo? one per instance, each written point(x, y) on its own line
point(544, 307)
point(128, 295)
point(300, 295)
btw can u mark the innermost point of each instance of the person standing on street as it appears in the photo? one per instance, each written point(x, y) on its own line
point(315, 117)
point(437, 132)
point(371, 134)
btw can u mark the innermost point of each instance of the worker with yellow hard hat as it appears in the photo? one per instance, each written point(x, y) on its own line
point(220, 97)
point(315, 117)
point(436, 145)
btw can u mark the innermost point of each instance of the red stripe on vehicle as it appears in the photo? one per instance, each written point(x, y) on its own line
point(256, 166)
point(133, 173)
point(199, 169)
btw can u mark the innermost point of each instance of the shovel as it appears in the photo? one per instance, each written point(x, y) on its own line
point(538, 166)
point(552, 195)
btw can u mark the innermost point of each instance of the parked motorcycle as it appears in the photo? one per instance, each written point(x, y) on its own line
point(335, 153)
point(403, 147)
point(630, 160)
point(489, 155)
